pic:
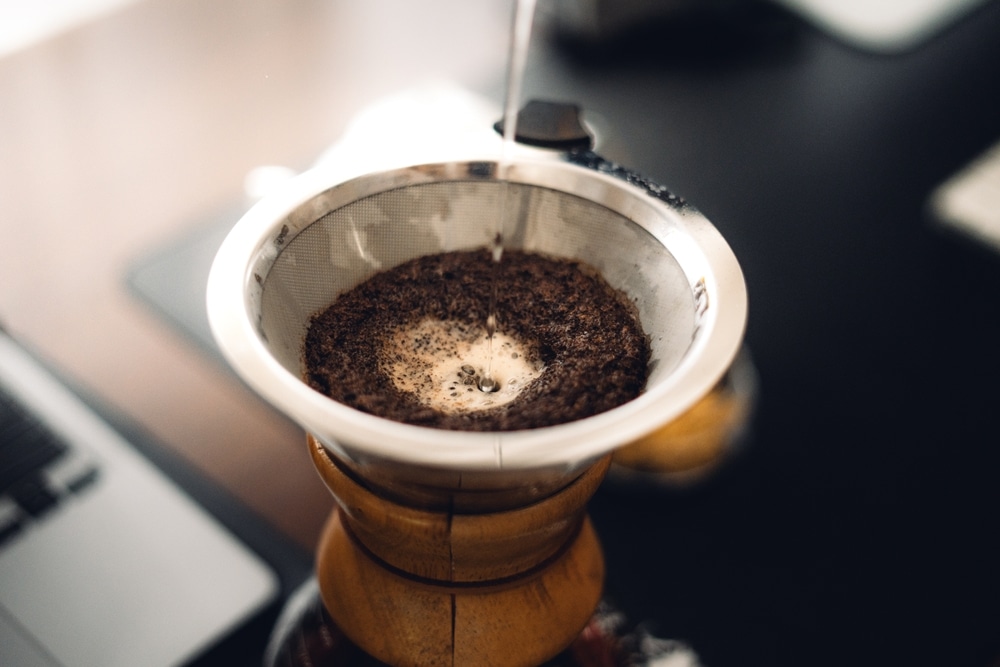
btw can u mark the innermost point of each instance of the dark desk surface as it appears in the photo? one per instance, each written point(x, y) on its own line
point(857, 526)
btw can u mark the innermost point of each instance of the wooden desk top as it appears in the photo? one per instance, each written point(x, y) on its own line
point(119, 134)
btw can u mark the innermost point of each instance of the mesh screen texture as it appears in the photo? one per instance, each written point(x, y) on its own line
point(345, 246)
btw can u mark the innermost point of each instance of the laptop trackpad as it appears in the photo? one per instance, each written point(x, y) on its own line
point(148, 580)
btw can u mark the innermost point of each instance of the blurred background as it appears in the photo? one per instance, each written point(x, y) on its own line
point(857, 521)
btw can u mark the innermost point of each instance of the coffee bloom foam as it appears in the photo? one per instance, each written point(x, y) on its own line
point(441, 364)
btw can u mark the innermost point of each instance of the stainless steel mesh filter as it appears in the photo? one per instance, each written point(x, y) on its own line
point(293, 254)
point(347, 245)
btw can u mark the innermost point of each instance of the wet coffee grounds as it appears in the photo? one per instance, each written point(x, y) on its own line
point(586, 334)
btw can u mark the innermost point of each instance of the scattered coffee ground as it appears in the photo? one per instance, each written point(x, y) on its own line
point(586, 334)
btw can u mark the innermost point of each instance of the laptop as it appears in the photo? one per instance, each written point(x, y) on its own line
point(104, 560)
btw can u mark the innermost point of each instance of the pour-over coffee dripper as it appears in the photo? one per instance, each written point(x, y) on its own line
point(447, 545)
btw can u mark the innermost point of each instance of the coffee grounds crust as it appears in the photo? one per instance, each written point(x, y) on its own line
point(586, 333)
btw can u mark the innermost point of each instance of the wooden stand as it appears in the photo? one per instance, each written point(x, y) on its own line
point(420, 587)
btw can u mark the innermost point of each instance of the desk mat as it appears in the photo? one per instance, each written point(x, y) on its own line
point(172, 279)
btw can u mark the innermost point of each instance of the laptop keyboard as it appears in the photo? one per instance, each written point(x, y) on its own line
point(37, 469)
